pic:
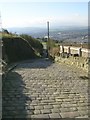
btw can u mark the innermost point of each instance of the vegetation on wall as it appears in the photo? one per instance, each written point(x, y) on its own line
point(36, 44)
point(53, 48)
point(17, 48)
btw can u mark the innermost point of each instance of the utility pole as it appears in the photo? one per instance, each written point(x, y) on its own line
point(0, 28)
point(0, 23)
point(48, 29)
point(48, 42)
point(0, 31)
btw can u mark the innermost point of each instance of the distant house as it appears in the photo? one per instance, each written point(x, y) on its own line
point(45, 37)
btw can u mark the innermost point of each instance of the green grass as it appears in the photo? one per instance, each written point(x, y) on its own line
point(17, 49)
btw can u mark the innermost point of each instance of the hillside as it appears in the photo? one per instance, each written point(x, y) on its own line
point(17, 49)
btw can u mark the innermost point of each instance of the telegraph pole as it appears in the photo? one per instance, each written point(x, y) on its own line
point(0, 23)
point(48, 29)
point(48, 42)
point(0, 28)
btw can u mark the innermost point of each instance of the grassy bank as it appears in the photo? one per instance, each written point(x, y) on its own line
point(17, 48)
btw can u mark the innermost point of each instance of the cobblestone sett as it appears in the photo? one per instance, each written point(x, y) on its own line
point(68, 105)
point(86, 116)
point(82, 104)
point(58, 100)
point(45, 111)
point(37, 112)
point(10, 108)
point(55, 115)
point(43, 89)
point(67, 100)
point(69, 114)
point(84, 112)
point(82, 108)
point(48, 106)
point(47, 101)
point(55, 110)
point(39, 107)
point(40, 116)
point(57, 106)
point(43, 103)
point(71, 109)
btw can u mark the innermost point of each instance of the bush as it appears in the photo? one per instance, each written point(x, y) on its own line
point(55, 51)
point(50, 44)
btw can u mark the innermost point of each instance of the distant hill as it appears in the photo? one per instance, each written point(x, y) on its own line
point(26, 30)
point(59, 33)
point(31, 30)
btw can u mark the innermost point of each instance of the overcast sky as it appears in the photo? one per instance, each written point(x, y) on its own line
point(36, 14)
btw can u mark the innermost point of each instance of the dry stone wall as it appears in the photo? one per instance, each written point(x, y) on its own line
point(75, 56)
point(79, 62)
point(82, 52)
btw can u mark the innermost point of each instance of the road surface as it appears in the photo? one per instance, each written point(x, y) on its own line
point(43, 89)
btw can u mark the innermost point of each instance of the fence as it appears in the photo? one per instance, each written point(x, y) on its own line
point(82, 52)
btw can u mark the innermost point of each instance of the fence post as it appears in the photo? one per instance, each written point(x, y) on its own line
point(69, 50)
point(80, 52)
point(61, 49)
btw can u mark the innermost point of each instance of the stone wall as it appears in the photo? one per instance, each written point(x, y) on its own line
point(85, 52)
point(79, 62)
point(16, 49)
point(82, 52)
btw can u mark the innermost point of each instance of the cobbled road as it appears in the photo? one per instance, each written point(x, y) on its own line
point(43, 89)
